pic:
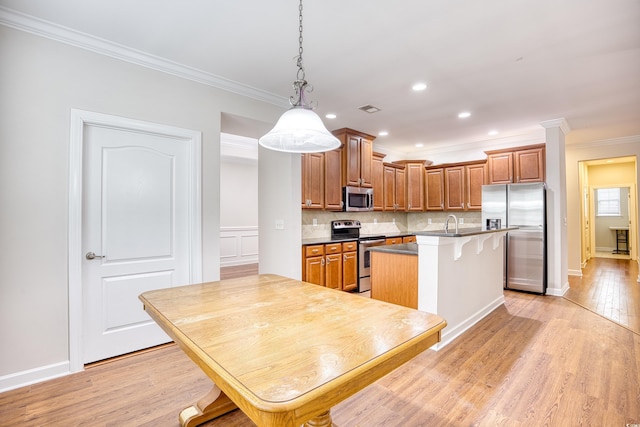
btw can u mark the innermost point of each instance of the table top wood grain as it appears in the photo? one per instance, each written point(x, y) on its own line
point(284, 350)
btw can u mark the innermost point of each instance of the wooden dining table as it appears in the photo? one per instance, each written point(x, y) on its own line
point(285, 351)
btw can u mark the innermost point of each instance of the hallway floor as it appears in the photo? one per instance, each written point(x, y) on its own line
point(609, 287)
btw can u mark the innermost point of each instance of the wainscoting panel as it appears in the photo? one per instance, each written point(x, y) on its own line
point(238, 245)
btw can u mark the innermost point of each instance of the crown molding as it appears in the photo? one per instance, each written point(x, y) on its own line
point(557, 123)
point(49, 30)
point(633, 139)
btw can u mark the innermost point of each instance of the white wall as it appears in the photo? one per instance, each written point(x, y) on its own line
point(40, 81)
point(238, 193)
point(239, 237)
point(279, 202)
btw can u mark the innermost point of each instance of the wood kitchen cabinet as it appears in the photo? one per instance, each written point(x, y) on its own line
point(377, 170)
point(394, 187)
point(434, 189)
point(463, 186)
point(415, 186)
point(357, 157)
point(409, 239)
point(313, 264)
point(349, 266)
point(333, 265)
point(393, 240)
point(394, 278)
point(475, 178)
point(333, 180)
point(312, 180)
point(521, 164)
point(529, 164)
point(454, 188)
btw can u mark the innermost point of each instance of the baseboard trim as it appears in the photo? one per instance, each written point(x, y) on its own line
point(33, 376)
point(558, 292)
point(575, 273)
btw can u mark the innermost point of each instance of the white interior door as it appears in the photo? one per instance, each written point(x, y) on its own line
point(136, 222)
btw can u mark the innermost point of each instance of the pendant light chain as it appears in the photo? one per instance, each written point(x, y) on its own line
point(299, 129)
point(300, 66)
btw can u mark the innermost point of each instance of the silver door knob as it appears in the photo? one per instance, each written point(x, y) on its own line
point(92, 255)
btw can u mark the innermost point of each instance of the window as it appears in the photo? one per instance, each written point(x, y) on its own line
point(608, 202)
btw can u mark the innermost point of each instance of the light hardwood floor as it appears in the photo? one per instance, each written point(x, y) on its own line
point(235, 271)
point(610, 288)
point(535, 361)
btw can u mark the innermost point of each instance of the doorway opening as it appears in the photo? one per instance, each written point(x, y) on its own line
point(239, 212)
point(609, 221)
point(609, 208)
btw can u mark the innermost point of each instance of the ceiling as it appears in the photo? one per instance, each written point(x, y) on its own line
point(511, 64)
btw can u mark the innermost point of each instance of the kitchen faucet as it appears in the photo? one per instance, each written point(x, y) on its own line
point(446, 223)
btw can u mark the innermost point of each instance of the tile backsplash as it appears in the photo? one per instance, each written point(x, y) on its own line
point(317, 223)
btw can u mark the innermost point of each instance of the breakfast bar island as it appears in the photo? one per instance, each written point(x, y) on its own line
point(286, 351)
point(456, 275)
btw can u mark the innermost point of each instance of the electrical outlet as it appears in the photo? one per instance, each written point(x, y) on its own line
point(279, 224)
point(429, 221)
point(393, 221)
point(315, 222)
point(461, 221)
point(375, 220)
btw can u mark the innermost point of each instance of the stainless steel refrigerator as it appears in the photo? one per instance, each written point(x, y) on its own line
point(523, 206)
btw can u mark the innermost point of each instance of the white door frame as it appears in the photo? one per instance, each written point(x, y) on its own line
point(79, 119)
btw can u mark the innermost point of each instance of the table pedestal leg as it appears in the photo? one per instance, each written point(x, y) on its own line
point(214, 404)
point(322, 420)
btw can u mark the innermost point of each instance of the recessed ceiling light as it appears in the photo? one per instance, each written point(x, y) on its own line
point(383, 133)
point(330, 116)
point(492, 132)
point(419, 86)
point(464, 114)
point(419, 144)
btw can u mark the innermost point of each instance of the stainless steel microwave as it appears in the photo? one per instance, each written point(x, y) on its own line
point(357, 199)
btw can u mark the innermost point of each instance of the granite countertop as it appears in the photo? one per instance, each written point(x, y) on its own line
point(467, 231)
point(328, 239)
point(324, 240)
point(400, 249)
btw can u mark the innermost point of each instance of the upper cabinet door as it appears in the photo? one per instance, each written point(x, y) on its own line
point(500, 168)
point(312, 180)
point(454, 188)
point(529, 165)
point(434, 189)
point(352, 162)
point(475, 179)
point(366, 155)
point(415, 187)
point(333, 180)
point(377, 178)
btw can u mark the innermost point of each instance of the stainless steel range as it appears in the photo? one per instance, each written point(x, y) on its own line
point(350, 229)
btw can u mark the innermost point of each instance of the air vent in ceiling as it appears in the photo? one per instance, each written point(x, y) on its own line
point(369, 108)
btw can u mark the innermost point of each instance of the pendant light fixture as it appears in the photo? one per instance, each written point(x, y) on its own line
point(299, 129)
